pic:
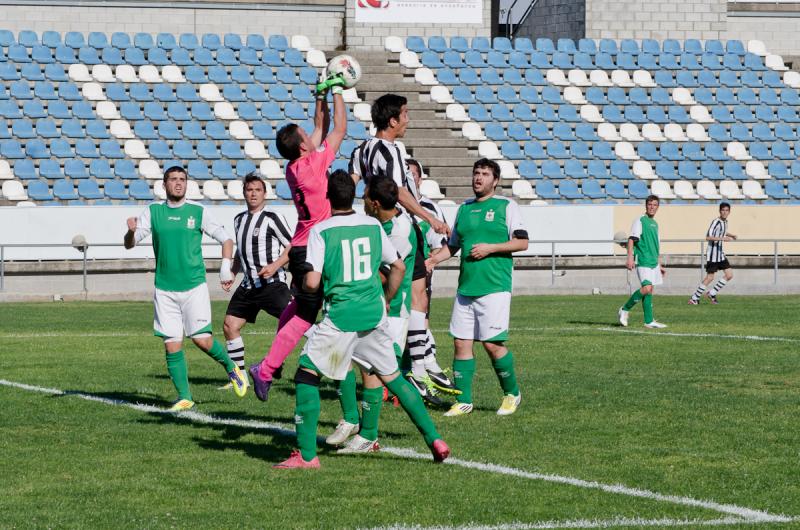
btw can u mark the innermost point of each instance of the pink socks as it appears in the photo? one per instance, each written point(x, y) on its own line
point(285, 340)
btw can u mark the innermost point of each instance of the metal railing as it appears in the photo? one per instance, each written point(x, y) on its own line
point(554, 254)
point(510, 25)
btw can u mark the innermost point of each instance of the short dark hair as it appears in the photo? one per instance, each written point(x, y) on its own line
point(341, 190)
point(491, 164)
point(174, 169)
point(412, 162)
point(254, 177)
point(385, 108)
point(383, 190)
point(288, 142)
point(651, 198)
point(724, 205)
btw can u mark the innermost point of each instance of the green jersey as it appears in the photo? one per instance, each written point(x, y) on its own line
point(404, 240)
point(348, 250)
point(493, 220)
point(430, 239)
point(177, 234)
point(646, 246)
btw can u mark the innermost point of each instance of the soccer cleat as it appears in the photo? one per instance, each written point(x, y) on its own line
point(295, 461)
point(692, 301)
point(441, 382)
point(238, 381)
point(229, 385)
point(425, 390)
point(260, 387)
point(509, 404)
point(181, 405)
point(343, 431)
point(440, 451)
point(712, 298)
point(359, 444)
point(623, 317)
point(459, 409)
point(655, 325)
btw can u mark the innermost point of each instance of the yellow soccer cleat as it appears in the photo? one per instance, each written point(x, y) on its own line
point(459, 409)
point(181, 405)
point(509, 405)
point(239, 382)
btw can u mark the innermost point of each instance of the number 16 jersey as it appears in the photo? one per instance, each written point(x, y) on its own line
point(348, 250)
point(307, 178)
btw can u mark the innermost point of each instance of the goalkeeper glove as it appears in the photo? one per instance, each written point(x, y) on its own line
point(334, 82)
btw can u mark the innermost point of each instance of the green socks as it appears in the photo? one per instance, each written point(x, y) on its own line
point(306, 417)
point(463, 372)
point(633, 300)
point(647, 304)
point(347, 397)
point(412, 403)
point(504, 368)
point(370, 412)
point(219, 353)
point(179, 373)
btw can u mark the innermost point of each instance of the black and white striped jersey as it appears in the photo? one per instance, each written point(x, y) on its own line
point(714, 252)
point(261, 237)
point(381, 157)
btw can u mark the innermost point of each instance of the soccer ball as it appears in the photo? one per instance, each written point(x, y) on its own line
point(621, 238)
point(347, 66)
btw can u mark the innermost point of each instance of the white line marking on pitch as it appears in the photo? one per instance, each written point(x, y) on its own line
point(745, 514)
point(581, 523)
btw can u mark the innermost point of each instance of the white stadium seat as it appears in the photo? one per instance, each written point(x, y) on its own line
point(351, 96)
point(775, 62)
point(600, 78)
point(757, 47)
point(236, 190)
point(556, 77)
point(621, 78)
point(643, 79)
point(652, 132)
point(193, 191)
point(225, 111)
point(126, 74)
point(625, 151)
point(661, 189)
point(255, 149)
point(363, 111)
point(446, 202)
point(135, 149)
point(737, 151)
point(608, 132)
point(685, 190)
point(430, 189)
point(730, 190)
point(674, 133)
point(212, 189)
point(149, 169)
point(643, 170)
point(574, 96)
point(700, 114)
point(424, 76)
point(753, 190)
point(707, 190)
point(630, 132)
point(522, 189)
point(755, 169)
point(93, 91)
point(456, 112)
point(538, 202)
point(507, 170)
point(121, 129)
point(697, 133)
point(441, 94)
point(792, 78)
point(210, 92)
point(301, 42)
point(578, 77)
point(149, 74)
point(409, 59)
point(591, 114)
point(107, 110)
point(5, 171)
point(26, 204)
point(79, 73)
point(316, 58)
point(102, 73)
point(394, 44)
point(172, 74)
point(270, 193)
point(270, 169)
point(158, 189)
point(14, 191)
point(488, 149)
point(240, 130)
point(472, 131)
point(682, 96)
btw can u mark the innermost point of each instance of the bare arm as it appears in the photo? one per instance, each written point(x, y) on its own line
point(410, 203)
point(336, 136)
point(629, 261)
point(268, 271)
point(396, 272)
point(439, 256)
point(482, 250)
point(130, 236)
point(322, 121)
point(311, 281)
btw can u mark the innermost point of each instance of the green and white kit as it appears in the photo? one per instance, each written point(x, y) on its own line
point(646, 249)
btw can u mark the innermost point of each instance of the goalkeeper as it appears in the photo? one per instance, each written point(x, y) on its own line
point(309, 158)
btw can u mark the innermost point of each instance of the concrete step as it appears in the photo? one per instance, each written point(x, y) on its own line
point(431, 152)
point(422, 143)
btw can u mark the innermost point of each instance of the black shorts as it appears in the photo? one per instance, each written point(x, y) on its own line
point(419, 259)
point(308, 304)
point(272, 298)
point(429, 290)
point(714, 266)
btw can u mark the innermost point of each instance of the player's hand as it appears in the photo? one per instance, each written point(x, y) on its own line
point(225, 273)
point(439, 227)
point(268, 271)
point(429, 265)
point(336, 80)
point(480, 251)
point(629, 264)
point(131, 224)
point(226, 286)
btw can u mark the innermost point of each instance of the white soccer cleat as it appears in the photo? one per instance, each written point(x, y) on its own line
point(623, 317)
point(509, 405)
point(359, 444)
point(655, 325)
point(343, 431)
point(459, 409)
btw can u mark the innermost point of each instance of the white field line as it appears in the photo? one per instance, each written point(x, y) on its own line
point(583, 523)
point(743, 513)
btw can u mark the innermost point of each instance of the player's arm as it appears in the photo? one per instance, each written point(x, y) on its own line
point(518, 243)
point(311, 281)
point(629, 262)
point(130, 236)
point(269, 270)
point(138, 229)
point(439, 256)
point(339, 131)
point(397, 269)
point(410, 203)
point(217, 232)
point(322, 120)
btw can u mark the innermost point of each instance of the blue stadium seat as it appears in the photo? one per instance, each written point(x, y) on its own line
point(198, 170)
point(38, 190)
point(45, 128)
point(50, 169)
point(754, 63)
point(612, 114)
point(222, 170)
point(477, 112)
point(721, 114)
point(529, 94)
point(75, 169)
point(535, 77)
point(160, 150)
point(547, 113)
point(597, 169)
point(772, 79)
point(604, 61)
point(666, 170)
point(125, 169)
point(545, 45)
point(546, 190)
point(540, 131)
point(664, 79)
point(231, 150)
point(278, 42)
point(243, 167)
point(140, 190)
point(111, 149)
point(778, 170)
point(556, 149)
point(657, 115)
point(634, 114)
point(31, 72)
point(64, 190)
point(208, 150)
point(569, 189)
point(715, 151)
point(540, 60)
point(459, 44)
point(154, 111)
point(794, 188)
point(88, 189)
point(481, 44)
point(294, 57)
point(535, 150)
point(184, 150)
point(688, 170)
point(60, 148)
point(517, 131)
point(500, 112)
point(775, 190)
point(626, 61)
point(158, 57)
point(621, 170)
point(618, 96)
point(496, 132)
point(563, 132)
point(34, 109)
point(574, 169)
point(218, 74)
point(729, 78)
point(100, 169)
point(616, 189)
point(733, 170)
point(518, 60)
point(114, 189)
point(710, 61)
point(491, 76)
point(36, 149)
point(23, 129)
point(527, 169)
point(603, 151)
point(72, 128)
point(248, 112)
point(249, 56)
point(204, 57)
point(562, 60)
point(587, 46)
point(649, 151)
point(25, 170)
point(638, 189)
point(256, 42)
point(511, 151)
point(42, 55)
point(592, 189)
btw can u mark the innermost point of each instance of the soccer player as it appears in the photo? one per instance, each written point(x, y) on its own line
point(715, 257)
point(307, 175)
point(644, 245)
point(487, 230)
point(181, 300)
point(380, 201)
point(345, 253)
point(262, 250)
point(384, 154)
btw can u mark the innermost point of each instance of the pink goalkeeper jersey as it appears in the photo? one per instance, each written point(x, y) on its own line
point(308, 179)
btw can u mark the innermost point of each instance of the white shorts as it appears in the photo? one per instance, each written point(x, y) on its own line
point(179, 313)
point(483, 318)
point(332, 350)
point(398, 331)
point(650, 274)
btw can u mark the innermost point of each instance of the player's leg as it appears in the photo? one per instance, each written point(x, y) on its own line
point(647, 300)
point(437, 376)
point(463, 329)
point(232, 327)
point(727, 276)
point(634, 299)
point(366, 441)
point(492, 315)
point(349, 424)
point(703, 285)
point(168, 324)
point(417, 342)
point(306, 414)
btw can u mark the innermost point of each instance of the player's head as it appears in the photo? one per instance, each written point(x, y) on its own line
point(293, 142)
point(416, 170)
point(724, 210)
point(651, 204)
point(390, 114)
point(255, 190)
point(380, 195)
point(341, 190)
point(485, 177)
point(175, 183)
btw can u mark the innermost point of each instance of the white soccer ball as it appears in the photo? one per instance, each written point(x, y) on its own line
point(347, 66)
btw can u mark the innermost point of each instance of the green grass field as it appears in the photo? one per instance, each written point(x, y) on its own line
point(697, 429)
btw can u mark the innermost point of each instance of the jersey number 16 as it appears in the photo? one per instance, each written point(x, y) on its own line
point(355, 259)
